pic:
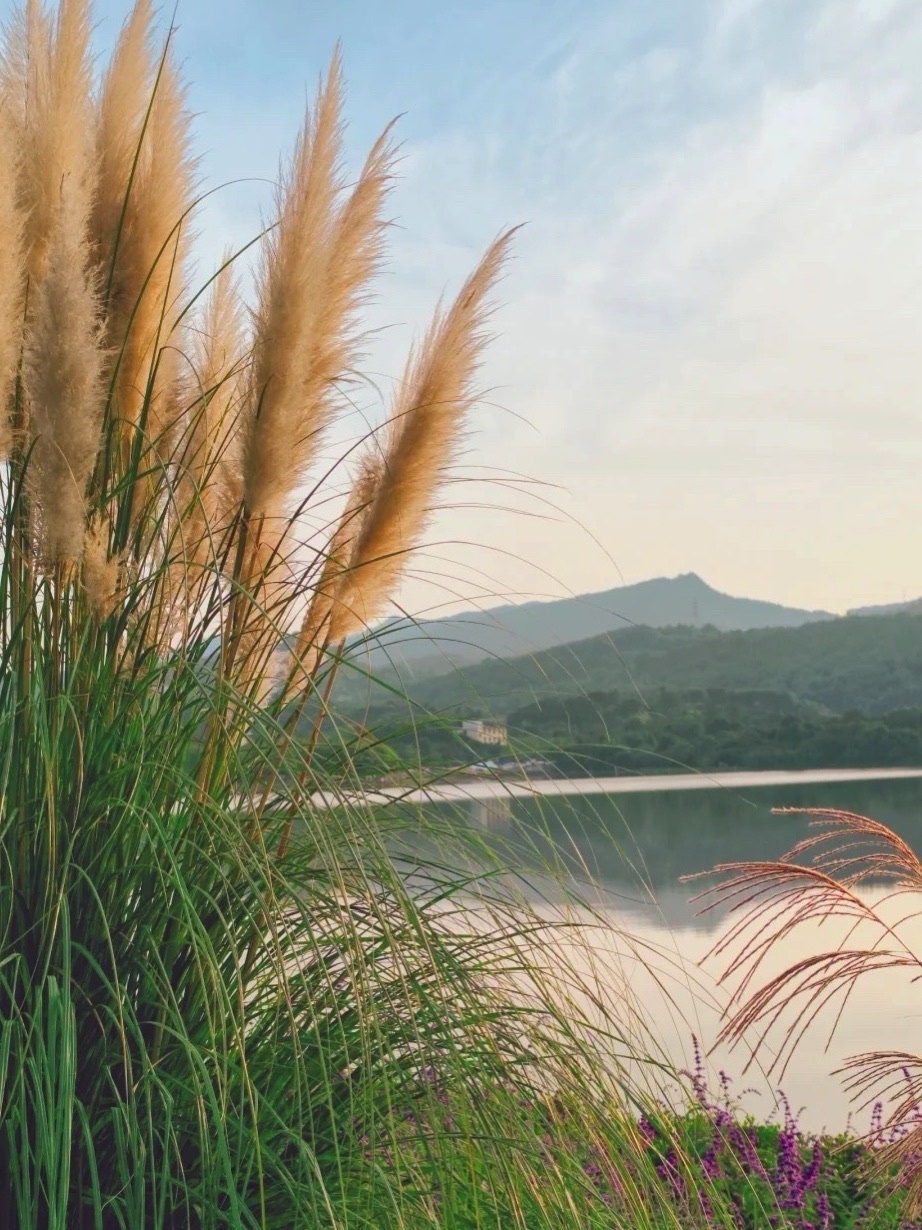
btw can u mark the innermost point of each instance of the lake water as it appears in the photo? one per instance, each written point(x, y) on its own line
point(634, 847)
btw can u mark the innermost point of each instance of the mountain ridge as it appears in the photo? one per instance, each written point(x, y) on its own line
point(429, 647)
point(872, 664)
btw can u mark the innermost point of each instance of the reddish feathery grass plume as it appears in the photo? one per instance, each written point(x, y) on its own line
point(773, 900)
point(423, 432)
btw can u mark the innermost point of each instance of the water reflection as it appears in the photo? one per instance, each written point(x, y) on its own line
point(490, 813)
point(637, 846)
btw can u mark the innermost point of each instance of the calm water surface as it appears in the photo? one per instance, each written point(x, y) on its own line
point(636, 847)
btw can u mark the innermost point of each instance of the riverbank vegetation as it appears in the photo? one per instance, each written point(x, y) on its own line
point(607, 733)
point(604, 734)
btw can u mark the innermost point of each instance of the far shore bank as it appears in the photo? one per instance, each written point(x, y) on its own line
point(460, 792)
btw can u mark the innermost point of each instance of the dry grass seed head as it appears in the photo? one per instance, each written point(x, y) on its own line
point(124, 99)
point(148, 257)
point(12, 272)
point(62, 381)
point(423, 431)
point(62, 357)
point(57, 145)
point(209, 453)
point(315, 275)
point(265, 616)
point(26, 43)
point(103, 578)
point(283, 423)
point(314, 633)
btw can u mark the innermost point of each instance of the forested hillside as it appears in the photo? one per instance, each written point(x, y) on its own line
point(612, 732)
point(872, 664)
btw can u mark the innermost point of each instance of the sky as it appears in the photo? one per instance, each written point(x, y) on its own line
point(708, 346)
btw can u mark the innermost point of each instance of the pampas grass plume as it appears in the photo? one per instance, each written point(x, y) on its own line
point(54, 90)
point(96, 213)
point(147, 252)
point(102, 580)
point(61, 375)
point(422, 433)
point(62, 356)
point(11, 272)
point(332, 583)
point(210, 455)
point(26, 45)
point(124, 99)
point(283, 423)
point(315, 273)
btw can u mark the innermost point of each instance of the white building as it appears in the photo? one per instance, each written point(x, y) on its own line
point(480, 731)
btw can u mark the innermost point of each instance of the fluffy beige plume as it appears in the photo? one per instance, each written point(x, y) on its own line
point(143, 238)
point(26, 46)
point(423, 430)
point(314, 633)
point(316, 268)
point(281, 424)
point(103, 582)
point(61, 354)
point(210, 456)
point(124, 98)
point(11, 273)
point(53, 87)
point(61, 377)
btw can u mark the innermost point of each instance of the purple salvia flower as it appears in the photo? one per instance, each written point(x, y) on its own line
point(823, 1212)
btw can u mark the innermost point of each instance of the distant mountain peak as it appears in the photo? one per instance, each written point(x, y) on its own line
point(436, 646)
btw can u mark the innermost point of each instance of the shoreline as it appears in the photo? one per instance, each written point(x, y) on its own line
point(463, 792)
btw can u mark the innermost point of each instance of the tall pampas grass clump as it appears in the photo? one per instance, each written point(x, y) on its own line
point(220, 1004)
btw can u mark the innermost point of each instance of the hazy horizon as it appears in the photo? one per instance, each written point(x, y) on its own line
point(708, 337)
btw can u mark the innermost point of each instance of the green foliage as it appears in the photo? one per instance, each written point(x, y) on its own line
point(219, 997)
point(609, 732)
point(871, 663)
point(774, 1176)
